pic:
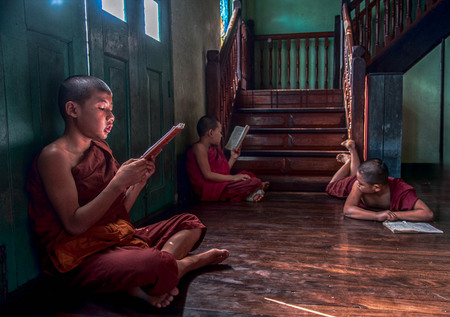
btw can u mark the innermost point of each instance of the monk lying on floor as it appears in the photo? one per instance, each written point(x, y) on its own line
point(371, 194)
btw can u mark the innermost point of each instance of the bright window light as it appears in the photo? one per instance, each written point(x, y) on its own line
point(114, 7)
point(151, 11)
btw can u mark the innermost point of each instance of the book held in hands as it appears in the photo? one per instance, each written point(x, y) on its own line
point(236, 137)
point(156, 148)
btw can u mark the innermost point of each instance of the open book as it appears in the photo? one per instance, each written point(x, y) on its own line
point(236, 138)
point(156, 148)
point(410, 227)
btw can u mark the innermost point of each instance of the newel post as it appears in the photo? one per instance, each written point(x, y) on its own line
point(213, 83)
point(358, 74)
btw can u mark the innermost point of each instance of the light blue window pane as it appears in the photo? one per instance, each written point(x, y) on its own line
point(115, 7)
point(151, 11)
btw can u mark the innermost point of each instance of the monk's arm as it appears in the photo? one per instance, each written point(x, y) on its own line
point(352, 209)
point(55, 171)
point(201, 155)
point(420, 212)
point(133, 191)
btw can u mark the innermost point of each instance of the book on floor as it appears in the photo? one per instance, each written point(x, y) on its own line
point(156, 148)
point(236, 137)
point(410, 227)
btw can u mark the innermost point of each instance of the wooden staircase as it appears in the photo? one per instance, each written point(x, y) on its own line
point(294, 137)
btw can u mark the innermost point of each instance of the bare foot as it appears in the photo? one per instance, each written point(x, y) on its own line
point(265, 186)
point(343, 158)
point(349, 144)
point(196, 261)
point(256, 196)
point(155, 300)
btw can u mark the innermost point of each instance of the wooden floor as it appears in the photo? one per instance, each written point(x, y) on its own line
point(293, 254)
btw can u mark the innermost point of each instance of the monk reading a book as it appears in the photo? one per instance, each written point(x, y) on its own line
point(209, 169)
point(371, 194)
point(80, 199)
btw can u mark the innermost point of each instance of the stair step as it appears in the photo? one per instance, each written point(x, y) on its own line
point(290, 98)
point(294, 139)
point(296, 183)
point(333, 117)
point(306, 164)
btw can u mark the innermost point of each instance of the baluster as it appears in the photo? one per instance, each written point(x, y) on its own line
point(386, 23)
point(316, 64)
point(397, 19)
point(368, 30)
point(377, 27)
point(408, 13)
point(297, 45)
point(358, 33)
point(401, 19)
point(418, 10)
point(270, 63)
point(288, 48)
point(428, 4)
point(326, 63)
point(392, 13)
point(279, 64)
point(307, 62)
point(261, 64)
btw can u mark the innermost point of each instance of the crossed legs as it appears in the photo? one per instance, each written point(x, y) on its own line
point(179, 245)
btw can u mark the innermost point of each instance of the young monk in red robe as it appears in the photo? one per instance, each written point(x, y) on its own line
point(371, 194)
point(80, 199)
point(209, 169)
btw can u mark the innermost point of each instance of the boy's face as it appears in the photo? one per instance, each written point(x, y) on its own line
point(95, 118)
point(216, 134)
point(363, 186)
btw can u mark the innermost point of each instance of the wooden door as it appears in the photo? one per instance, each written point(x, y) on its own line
point(41, 43)
point(138, 70)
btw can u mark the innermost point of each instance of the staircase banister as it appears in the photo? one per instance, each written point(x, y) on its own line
point(293, 36)
point(230, 35)
point(347, 24)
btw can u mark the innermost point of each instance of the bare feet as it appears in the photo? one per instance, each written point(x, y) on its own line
point(196, 261)
point(158, 301)
point(343, 158)
point(256, 196)
point(265, 186)
point(349, 144)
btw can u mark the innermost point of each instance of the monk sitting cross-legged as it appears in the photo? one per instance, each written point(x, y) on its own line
point(80, 199)
point(209, 169)
point(371, 194)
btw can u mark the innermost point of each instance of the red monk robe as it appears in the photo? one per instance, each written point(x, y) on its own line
point(215, 191)
point(112, 255)
point(403, 196)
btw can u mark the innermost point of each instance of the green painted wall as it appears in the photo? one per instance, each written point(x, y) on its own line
point(421, 109)
point(190, 43)
point(291, 16)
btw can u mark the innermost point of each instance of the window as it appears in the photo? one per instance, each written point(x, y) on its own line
point(151, 12)
point(114, 7)
point(224, 19)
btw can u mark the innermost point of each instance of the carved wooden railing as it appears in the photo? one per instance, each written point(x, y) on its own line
point(223, 74)
point(380, 22)
point(353, 84)
point(277, 50)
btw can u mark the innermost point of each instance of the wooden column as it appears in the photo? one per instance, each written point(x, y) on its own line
point(213, 83)
point(383, 112)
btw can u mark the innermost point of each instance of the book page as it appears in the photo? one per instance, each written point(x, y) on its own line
point(411, 227)
point(236, 137)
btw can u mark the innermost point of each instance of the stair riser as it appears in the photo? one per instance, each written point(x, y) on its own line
point(290, 120)
point(289, 98)
point(323, 166)
point(294, 141)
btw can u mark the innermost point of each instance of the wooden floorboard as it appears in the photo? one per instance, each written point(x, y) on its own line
point(293, 254)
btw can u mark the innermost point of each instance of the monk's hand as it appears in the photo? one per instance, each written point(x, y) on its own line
point(386, 215)
point(235, 153)
point(392, 216)
point(134, 171)
point(240, 177)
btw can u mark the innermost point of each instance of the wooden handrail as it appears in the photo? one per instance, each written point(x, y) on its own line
point(223, 74)
point(353, 84)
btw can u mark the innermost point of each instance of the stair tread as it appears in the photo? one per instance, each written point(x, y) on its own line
point(259, 153)
point(282, 110)
point(296, 130)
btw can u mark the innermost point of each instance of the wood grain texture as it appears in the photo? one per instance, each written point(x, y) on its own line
point(296, 248)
